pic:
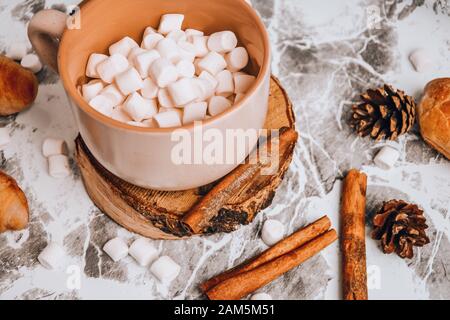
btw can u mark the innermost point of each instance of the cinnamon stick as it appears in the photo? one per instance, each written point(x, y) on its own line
point(286, 245)
point(353, 215)
point(243, 284)
point(199, 216)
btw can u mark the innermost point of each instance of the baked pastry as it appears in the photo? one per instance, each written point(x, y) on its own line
point(18, 87)
point(434, 115)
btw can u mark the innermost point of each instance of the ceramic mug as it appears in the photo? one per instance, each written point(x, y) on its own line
point(143, 156)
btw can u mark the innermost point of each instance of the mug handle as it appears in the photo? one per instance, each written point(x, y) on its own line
point(45, 31)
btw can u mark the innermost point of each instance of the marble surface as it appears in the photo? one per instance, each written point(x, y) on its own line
point(325, 53)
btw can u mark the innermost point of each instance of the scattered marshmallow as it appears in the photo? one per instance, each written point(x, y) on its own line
point(201, 45)
point(119, 114)
point(208, 76)
point(261, 296)
point(58, 166)
point(113, 92)
point(204, 89)
point(51, 257)
point(103, 103)
point(213, 63)
point(164, 98)
point(168, 119)
point(185, 69)
point(225, 85)
point(111, 67)
point(243, 82)
point(169, 50)
point(177, 35)
point(165, 269)
point(182, 91)
point(386, 158)
point(143, 61)
point(421, 60)
point(116, 248)
point(222, 42)
point(143, 251)
point(139, 108)
point(163, 72)
point(195, 111)
point(187, 51)
point(94, 60)
point(17, 51)
point(134, 53)
point(190, 33)
point(91, 89)
point(272, 232)
point(5, 139)
point(53, 147)
point(170, 22)
point(151, 41)
point(149, 30)
point(32, 63)
point(129, 81)
point(149, 89)
point(237, 59)
point(217, 105)
point(123, 47)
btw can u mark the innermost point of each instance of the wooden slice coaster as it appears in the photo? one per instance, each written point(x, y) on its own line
point(220, 207)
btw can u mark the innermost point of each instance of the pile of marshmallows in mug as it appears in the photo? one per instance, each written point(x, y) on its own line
point(174, 78)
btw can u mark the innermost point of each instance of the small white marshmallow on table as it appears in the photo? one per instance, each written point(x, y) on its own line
point(56, 150)
point(175, 77)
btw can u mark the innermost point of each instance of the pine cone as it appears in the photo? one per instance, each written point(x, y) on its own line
point(385, 113)
point(400, 226)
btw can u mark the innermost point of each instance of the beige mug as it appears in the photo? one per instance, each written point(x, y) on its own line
point(143, 156)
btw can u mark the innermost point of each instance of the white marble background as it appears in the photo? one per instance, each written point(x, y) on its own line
point(325, 54)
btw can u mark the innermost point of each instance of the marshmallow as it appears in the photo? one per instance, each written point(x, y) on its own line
point(213, 63)
point(208, 76)
point(123, 47)
point(190, 33)
point(169, 50)
point(195, 111)
point(103, 103)
point(237, 59)
point(261, 296)
point(111, 67)
point(143, 251)
point(149, 89)
point(165, 269)
point(51, 257)
point(114, 93)
point(170, 22)
point(204, 89)
point(129, 81)
point(272, 232)
point(201, 46)
point(91, 89)
point(421, 61)
point(177, 35)
point(185, 69)
point(32, 63)
point(94, 60)
point(17, 51)
point(243, 82)
point(139, 108)
point(58, 166)
point(217, 105)
point(53, 147)
point(386, 158)
point(137, 124)
point(168, 119)
point(239, 97)
point(116, 248)
point(119, 114)
point(4, 138)
point(164, 98)
point(225, 85)
point(151, 40)
point(143, 62)
point(182, 91)
point(222, 42)
point(163, 72)
point(187, 51)
point(134, 53)
point(149, 30)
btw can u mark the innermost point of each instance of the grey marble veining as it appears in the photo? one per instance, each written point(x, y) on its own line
point(325, 53)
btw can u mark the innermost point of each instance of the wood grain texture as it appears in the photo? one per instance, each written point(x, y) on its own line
point(159, 214)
